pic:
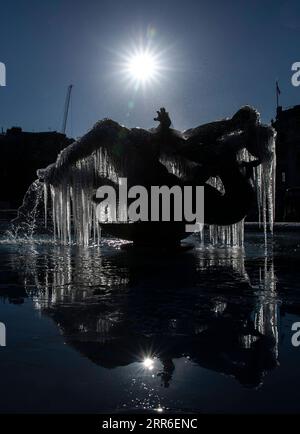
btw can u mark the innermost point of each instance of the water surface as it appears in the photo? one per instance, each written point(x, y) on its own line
point(104, 329)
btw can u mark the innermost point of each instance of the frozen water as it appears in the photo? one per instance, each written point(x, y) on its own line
point(69, 186)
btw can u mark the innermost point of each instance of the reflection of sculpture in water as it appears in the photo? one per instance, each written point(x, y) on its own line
point(116, 308)
point(223, 156)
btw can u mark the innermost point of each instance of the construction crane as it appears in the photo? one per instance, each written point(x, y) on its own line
point(66, 112)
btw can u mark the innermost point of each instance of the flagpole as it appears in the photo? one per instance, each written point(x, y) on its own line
point(277, 94)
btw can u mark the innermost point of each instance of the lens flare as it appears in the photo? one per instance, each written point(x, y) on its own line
point(142, 66)
point(148, 363)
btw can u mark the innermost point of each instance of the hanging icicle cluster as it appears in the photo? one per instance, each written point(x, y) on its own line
point(73, 208)
point(257, 144)
point(264, 178)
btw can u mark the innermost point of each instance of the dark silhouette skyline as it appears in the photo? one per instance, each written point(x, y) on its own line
point(216, 56)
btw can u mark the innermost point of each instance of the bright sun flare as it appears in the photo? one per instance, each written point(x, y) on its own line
point(148, 363)
point(142, 67)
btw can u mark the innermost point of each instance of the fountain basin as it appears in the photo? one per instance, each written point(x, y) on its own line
point(147, 233)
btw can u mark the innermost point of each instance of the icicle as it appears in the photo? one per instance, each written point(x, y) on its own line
point(265, 184)
point(73, 179)
point(45, 202)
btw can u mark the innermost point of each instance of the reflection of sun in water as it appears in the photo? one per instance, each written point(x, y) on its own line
point(148, 363)
point(144, 393)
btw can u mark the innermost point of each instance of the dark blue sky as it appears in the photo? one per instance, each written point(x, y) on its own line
point(220, 54)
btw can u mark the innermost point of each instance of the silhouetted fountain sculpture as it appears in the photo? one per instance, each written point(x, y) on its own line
point(234, 159)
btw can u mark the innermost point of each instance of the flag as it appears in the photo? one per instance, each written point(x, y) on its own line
point(277, 88)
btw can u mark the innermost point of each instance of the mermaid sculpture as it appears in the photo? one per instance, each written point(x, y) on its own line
point(224, 156)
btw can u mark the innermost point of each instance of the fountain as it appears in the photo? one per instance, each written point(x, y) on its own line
point(234, 159)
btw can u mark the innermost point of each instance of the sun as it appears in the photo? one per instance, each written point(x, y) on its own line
point(142, 67)
point(143, 63)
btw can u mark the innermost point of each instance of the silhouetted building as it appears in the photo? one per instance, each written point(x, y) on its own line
point(287, 125)
point(22, 153)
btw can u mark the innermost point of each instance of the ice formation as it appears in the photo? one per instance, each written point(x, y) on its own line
point(264, 178)
point(68, 186)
